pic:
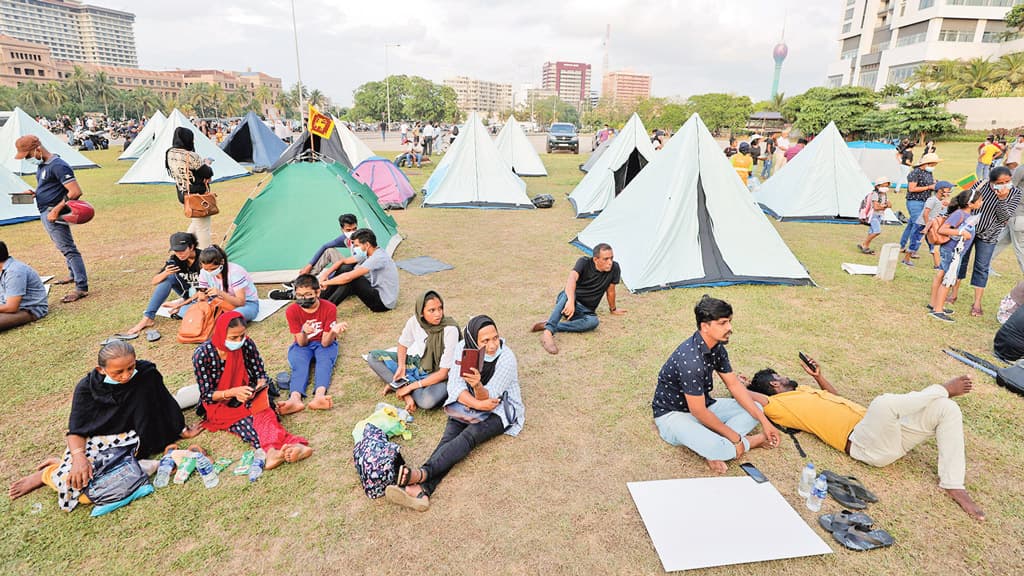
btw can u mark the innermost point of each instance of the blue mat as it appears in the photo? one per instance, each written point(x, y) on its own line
point(423, 265)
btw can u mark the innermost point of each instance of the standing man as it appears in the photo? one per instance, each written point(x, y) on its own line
point(684, 411)
point(428, 138)
point(374, 279)
point(576, 306)
point(987, 153)
point(55, 185)
point(383, 129)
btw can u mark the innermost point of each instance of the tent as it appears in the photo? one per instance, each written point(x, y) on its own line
point(144, 139)
point(282, 225)
point(822, 183)
point(473, 175)
point(150, 168)
point(878, 159)
point(11, 213)
point(21, 124)
point(355, 149)
point(616, 167)
point(333, 149)
point(596, 154)
point(252, 142)
point(392, 188)
point(517, 151)
point(687, 220)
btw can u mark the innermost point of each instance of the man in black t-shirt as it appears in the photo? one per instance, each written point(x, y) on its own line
point(576, 306)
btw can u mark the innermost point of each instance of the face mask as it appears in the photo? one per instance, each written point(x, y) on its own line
point(34, 161)
point(929, 168)
point(348, 234)
point(492, 357)
point(216, 271)
point(359, 253)
point(306, 302)
point(884, 189)
point(1001, 186)
point(108, 380)
point(233, 345)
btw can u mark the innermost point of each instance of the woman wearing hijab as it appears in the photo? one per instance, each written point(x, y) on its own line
point(229, 370)
point(426, 353)
point(123, 401)
point(481, 405)
point(191, 175)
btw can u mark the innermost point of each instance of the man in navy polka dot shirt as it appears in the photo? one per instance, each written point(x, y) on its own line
point(684, 411)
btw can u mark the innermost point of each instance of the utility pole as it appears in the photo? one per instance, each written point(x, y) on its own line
point(298, 69)
point(387, 78)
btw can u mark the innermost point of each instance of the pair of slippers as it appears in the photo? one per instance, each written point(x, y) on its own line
point(849, 491)
point(855, 530)
point(151, 336)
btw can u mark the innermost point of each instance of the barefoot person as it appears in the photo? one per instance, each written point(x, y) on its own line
point(315, 329)
point(229, 369)
point(684, 411)
point(123, 401)
point(425, 354)
point(891, 426)
point(180, 273)
point(480, 406)
point(576, 307)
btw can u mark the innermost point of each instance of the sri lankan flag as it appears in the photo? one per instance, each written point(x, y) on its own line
point(320, 124)
point(966, 182)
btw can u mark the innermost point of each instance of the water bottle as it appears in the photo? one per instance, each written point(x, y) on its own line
point(403, 414)
point(163, 471)
point(818, 494)
point(206, 471)
point(806, 480)
point(259, 460)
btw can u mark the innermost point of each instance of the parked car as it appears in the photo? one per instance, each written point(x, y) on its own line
point(563, 136)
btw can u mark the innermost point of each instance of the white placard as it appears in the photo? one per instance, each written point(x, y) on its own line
point(267, 307)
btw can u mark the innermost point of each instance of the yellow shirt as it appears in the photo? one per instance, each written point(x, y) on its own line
point(743, 164)
point(988, 153)
point(821, 413)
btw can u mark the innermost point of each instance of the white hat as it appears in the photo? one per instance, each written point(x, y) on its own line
point(755, 136)
point(882, 180)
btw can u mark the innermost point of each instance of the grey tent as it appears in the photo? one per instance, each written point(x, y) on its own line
point(252, 142)
point(595, 155)
point(331, 149)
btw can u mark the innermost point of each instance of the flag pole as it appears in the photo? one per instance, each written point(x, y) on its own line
point(298, 70)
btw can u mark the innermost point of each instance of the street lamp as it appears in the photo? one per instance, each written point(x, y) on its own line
point(387, 78)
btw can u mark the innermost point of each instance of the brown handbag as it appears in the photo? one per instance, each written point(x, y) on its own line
point(201, 205)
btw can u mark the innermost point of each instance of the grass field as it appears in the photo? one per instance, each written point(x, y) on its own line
point(553, 500)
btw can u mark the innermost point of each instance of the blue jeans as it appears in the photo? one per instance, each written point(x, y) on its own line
point(300, 358)
point(915, 207)
point(60, 233)
point(427, 398)
point(982, 171)
point(982, 261)
point(915, 237)
point(163, 290)
point(583, 319)
point(766, 171)
point(683, 429)
point(250, 310)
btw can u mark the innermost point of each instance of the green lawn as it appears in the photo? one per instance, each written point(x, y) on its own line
point(553, 500)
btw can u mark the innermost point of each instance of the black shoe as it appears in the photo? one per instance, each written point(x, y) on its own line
point(289, 285)
point(282, 294)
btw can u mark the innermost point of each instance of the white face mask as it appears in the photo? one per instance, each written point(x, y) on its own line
point(34, 161)
point(884, 189)
point(216, 271)
point(1002, 186)
point(929, 168)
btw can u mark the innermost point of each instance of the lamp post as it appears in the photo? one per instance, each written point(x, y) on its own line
point(298, 70)
point(387, 78)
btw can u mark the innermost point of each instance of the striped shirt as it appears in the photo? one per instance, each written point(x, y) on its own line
point(994, 212)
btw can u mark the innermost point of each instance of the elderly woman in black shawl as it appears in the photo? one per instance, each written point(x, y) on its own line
point(123, 401)
point(192, 175)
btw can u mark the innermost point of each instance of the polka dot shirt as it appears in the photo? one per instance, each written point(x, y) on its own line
point(689, 371)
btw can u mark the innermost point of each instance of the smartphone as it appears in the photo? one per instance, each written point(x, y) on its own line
point(807, 361)
point(396, 384)
point(471, 358)
point(753, 472)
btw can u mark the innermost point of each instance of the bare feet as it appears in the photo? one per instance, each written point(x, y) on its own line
point(295, 452)
point(961, 497)
point(192, 432)
point(142, 325)
point(291, 407)
point(539, 326)
point(31, 482)
point(959, 386)
point(410, 404)
point(275, 458)
point(547, 340)
point(718, 466)
point(320, 403)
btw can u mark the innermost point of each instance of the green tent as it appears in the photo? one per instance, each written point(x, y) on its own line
point(281, 227)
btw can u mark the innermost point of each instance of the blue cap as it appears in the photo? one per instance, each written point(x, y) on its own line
point(943, 184)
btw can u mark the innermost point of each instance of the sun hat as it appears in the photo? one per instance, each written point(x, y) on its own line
point(930, 158)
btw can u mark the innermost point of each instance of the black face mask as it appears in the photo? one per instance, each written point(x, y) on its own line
point(306, 302)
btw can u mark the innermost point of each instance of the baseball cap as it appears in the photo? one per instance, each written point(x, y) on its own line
point(25, 145)
point(182, 241)
point(943, 184)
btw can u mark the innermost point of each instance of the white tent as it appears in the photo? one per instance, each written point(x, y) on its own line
point(150, 167)
point(822, 182)
point(517, 151)
point(144, 139)
point(10, 212)
point(878, 159)
point(21, 124)
point(687, 220)
point(354, 147)
point(624, 158)
point(473, 175)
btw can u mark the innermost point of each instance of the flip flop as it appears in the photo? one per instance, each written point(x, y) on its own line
point(976, 311)
point(152, 335)
point(856, 486)
point(860, 539)
point(126, 335)
point(73, 297)
point(63, 281)
point(396, 495)
point(844, 520)
point(844, 494)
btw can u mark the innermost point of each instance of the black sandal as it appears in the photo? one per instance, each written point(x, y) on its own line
point(405, 476)
point(856, 487)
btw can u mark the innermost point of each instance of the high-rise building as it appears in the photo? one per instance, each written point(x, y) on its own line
point(73, 31)
point(884, 41)
point(625, 87)
point(569, 80)
point(491, 99)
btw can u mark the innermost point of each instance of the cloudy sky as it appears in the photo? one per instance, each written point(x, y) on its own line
point(689, 46)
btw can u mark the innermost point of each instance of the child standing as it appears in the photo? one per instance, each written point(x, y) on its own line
point(879, 202)
point(959, 227)
point(933, 208)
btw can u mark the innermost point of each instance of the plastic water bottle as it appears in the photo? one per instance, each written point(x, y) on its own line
point(163, 471)
point(818, 494)
point(403, 414)
point(806, 480)
point(206, 471)
point(259, 460)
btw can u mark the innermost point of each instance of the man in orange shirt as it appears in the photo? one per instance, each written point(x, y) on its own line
point(742, 162)
point(891, 426)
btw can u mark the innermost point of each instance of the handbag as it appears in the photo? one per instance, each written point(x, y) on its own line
point(201, 205)
point(116, 476)
point(931, 232)
point(466, 415)
point(197, 324)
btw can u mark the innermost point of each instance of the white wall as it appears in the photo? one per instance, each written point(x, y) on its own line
point(990, 113)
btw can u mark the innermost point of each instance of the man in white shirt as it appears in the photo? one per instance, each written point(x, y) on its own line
point(428, 138)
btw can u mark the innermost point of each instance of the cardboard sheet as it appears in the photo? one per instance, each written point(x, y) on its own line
point(267, 308)
point(860, 269)
point(698, 522)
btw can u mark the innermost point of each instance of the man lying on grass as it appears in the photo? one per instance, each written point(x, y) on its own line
point(891, 426)
point(684, 411)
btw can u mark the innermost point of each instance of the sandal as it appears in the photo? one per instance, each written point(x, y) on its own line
point(74, 297)
point(396, 495)
point(152, 335)
point(405, 476)
point(856, 487)
point(976, 311)
point(842, 521)
point(861, 539)
point(864, 250)
point(64, 281)
point(845, 495)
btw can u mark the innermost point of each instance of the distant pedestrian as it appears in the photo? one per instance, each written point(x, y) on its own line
point(731, 148)
point(383, 131)
point(987, 153)
point(428, 138)
point(768, 156)
point(794, 150)
point(879, 203)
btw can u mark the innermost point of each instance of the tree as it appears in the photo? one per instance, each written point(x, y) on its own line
point(722, 111)
point(1015, 18)
point(663, 113)
point(974, 77)
point(890, 91)
point(317, 98)
point(1011, 67)
point(554, 109)
point(78, 82)
point(411, 97)
point(55, 95)
point(923, 113)
point(847, 106)
point(103, 88)
point(32, 97)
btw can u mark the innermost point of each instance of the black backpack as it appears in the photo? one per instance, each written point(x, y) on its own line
point(543, 201)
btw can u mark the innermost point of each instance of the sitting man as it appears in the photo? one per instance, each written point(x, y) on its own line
point(589, 280)
point(1008, 344)
point(374, 279)
point(328, 260)
point(892, 425)
point(179, 273)
point(22, 294)
point(684, 411)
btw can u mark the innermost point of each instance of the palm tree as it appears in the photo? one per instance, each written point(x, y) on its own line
point(975, 75)
point(317, 98)
point(1011, 68)
point(778, 101)
point(216, 94)
point(104, 89)
point(32, 96)
point(144, 102)
point(263, 95)
point(55, 95)
point(78, 82)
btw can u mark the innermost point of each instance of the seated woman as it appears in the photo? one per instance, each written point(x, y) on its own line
point(122, 401)
point(426, 352)
point(490, 397)
point(228, 281)
point(180, 273)
point(228, 370)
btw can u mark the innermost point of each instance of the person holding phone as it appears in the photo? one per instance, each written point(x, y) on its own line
point(180, 274)
point(228, 281)
point(418, 371)
point(229, 371)
point(492, 393)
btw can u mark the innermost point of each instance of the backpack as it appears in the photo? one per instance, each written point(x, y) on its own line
point(931, 231)
point(867, 209)
point(543, 201)
point(197, 324)
point(377, 460)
